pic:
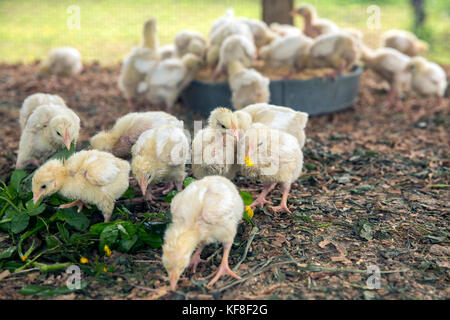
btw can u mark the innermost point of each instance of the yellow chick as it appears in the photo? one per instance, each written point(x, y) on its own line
point(235, 48)
point(139, 63)
point(282, 30)
point(49, 128)
point(224, 120)
point(275, 117)
point(272, 156)
point(405, 42)
point(160, 155)
point(90, 177)
point(262, 34)
point(123, 135)
point(248, 86)
point(427, 79)
point(390, 64)
point(34, 101)
point(166, 52)
point(221, 33)
point(284, 51)
point(207, 211)
point(65, 61)
point(213, 153)
point(168, 79)
point(190, 41)
point(314, 26)
point(337, 50)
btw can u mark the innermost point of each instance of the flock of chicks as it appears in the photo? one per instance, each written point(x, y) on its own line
point(260, 141)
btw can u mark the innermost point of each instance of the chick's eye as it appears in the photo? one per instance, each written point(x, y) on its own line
point(260, 144)
point(59, 134)
point(43, 186)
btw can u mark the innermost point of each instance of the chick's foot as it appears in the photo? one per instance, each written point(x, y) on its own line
point(77, 203)
point(195, 260)
point(224, 268)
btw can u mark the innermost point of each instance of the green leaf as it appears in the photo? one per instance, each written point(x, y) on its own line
point(97, 228)
point(246, 197)
point(108, 236)
point(34, 209)
point(365, 230)
point(19, 222)
point(76, 219)
point(152, 240)
point(188, 181)
point(6, 254)
point(52, 241)
point(64, 154)
point(129, 194)
point(45, 291)
point(125, 245)
point(16, 178)
point(168, 198)
point(63, 232)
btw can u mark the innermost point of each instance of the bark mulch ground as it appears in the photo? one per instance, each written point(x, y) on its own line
point(372, 194)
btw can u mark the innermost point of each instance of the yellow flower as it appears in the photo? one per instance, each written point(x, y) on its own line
point(249, 211)
point(104, 269)
point(248, 161)
point(84, 260)
point(24, 258)
point(107, 250)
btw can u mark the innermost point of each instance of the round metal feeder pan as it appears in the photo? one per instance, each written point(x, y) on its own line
point(314, 96)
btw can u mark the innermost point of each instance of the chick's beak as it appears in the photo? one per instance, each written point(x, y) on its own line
point(67, 140)
point(293, 12)
point(173, 278)
point(143, 185)
point(36, 197)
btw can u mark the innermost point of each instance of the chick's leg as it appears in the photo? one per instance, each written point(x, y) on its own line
point(283, 204)
point(195, 260)
point(224, 268)
point(77, 203)
point(261, 200)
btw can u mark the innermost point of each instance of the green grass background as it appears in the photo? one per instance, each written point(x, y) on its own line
point(109, 29)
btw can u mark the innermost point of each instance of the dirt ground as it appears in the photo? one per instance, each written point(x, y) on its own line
point(371, 194)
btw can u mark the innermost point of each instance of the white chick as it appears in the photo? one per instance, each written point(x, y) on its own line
point(427, 79)
point(285, 29)
point(139, 63)
point(213, 153)
point(65, 61)
point(271, 156)
point(405, 42)
point(235, 48)
point(262, 34)
point(222, 32)
point(337, 50)
point(170, 77)
point(34, 101)
point(160, 155)
point(225, 121)
point(90, 177)
point(314, 26)
point(123, 135)
point(275, 117)
point(49, 128)
point(190, 41)
point(284, 51)
point(224, 19)
point(390, 65)
point(207, 211)
point(166, 52)
point(248, 86)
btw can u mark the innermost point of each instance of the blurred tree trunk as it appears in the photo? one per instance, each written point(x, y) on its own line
point(277, 11)
point(419, 11)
